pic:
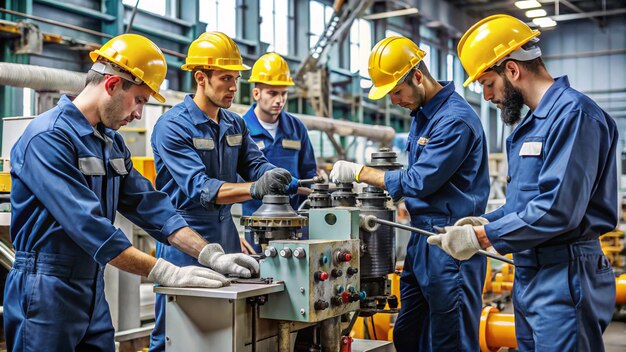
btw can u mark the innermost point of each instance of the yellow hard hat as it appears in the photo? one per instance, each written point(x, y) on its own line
point(214, 51)
point(139, 56)
point(489, 41)
point(390, 60)
point(271, 69)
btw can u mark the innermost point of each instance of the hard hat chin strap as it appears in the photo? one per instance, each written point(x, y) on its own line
point(105, 68)
point(531, 52)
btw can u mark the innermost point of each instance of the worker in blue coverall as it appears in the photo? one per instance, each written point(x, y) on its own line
point(200, 150)
point(283, 139)
point(446, 180)
point(561, 193)
point(70, 173)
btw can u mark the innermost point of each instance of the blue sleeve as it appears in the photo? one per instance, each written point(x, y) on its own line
point(448, 147)
point(495, 215)
point(565, 184)
point(175, 148)
point(307, 167)
point(49, 170)
point(143, 205)
point(252, 164)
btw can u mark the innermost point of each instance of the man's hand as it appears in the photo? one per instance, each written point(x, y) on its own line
point(274, 181)
point(472, 220)
point(168, 274)
point(345, 172)
point(246, 248)
point(213, 256)
point(459, 242)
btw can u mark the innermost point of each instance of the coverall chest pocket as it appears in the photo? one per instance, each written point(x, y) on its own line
point(286, 157)
point(205, 147)
point(118, 166)
point(231, 157)
point(530, 159)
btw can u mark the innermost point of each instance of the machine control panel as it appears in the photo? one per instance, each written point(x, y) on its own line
point(321, 279)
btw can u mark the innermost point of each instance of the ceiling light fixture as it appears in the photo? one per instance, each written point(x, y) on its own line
point(544, 22)
point(527, 4)
point(536, 13)
point(395, 13)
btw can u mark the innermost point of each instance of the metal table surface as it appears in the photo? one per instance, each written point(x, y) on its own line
point(234, 291)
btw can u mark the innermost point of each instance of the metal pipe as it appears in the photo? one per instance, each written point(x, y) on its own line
point(331, 335)
point(284, 338)
point(496, 330)
point(41, 78)
point(383, 134)
point(371, 218)
point(310, 181)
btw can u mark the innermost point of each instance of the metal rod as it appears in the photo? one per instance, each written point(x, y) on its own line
point(132, 17)
point(309, 181)
point(428, 233)
point(80, 29)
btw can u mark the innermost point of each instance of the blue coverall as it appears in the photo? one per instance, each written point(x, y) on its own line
point(68, 181)
point(447, 179)
point(561, 196)
point(194, 157)
point(290, 150)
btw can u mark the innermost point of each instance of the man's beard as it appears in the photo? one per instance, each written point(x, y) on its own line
point(512, 104)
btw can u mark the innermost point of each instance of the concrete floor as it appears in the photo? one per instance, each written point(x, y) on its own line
point(615, 337)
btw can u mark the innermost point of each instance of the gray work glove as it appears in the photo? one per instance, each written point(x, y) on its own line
point(168, 274)
point(212, 255)
point(472, 220)
point(274, 181)
point(345, 172)
point(459, 242)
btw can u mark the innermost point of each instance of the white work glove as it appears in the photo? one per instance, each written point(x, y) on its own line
point(168, 274)
point(459, 242)
point(212, 255)
point(472, 220)
point(345, 172)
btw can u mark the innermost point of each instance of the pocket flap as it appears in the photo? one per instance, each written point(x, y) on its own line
point(291, 144)
point(234, 140)
point(119, 165)
point(531, 149)
point(204, 143)
point(91, 166)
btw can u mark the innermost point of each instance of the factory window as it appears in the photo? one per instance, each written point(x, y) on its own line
point(159, 7)
point(450, 67)
point(219, 15)
point(317, 13)
point(360, 46)
point(427, 58)
point(274, 20)
point(392, 33)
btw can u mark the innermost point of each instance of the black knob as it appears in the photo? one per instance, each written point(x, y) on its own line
point(351, 271)
point(336, 301)
point(320, 305)
point(392, 301)
point(336, 273)
point(354, 297)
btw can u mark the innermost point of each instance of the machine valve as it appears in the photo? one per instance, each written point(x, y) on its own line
point(270, 252)
point(336, 301)
point(343, 256)
point(320, 276)
point(285, 252)
point(336, 273)
point(339, 289)
point(320, 305)
point(299, 253)
point(351, 271)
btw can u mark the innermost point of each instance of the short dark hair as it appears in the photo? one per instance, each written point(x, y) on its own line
point(194, 84)
point(421, 66)
point(95, 78)
point(534, 66)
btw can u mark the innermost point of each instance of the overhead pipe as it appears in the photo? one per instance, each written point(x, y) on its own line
point(54, 79)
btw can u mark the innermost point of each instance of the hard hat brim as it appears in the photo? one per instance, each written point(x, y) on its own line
point(191, 67)
point(272, 83)
point(158, 97)
point(379, 92)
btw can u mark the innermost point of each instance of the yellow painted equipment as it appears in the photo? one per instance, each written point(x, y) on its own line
point(5, 182)
point(620, 289)
point(145, 166)
point(496, 330)
point(612, 245)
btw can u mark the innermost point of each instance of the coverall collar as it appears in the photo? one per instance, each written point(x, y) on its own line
point(551, 97)
point(83, 127)
point(255, 128)
point(429, 109)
